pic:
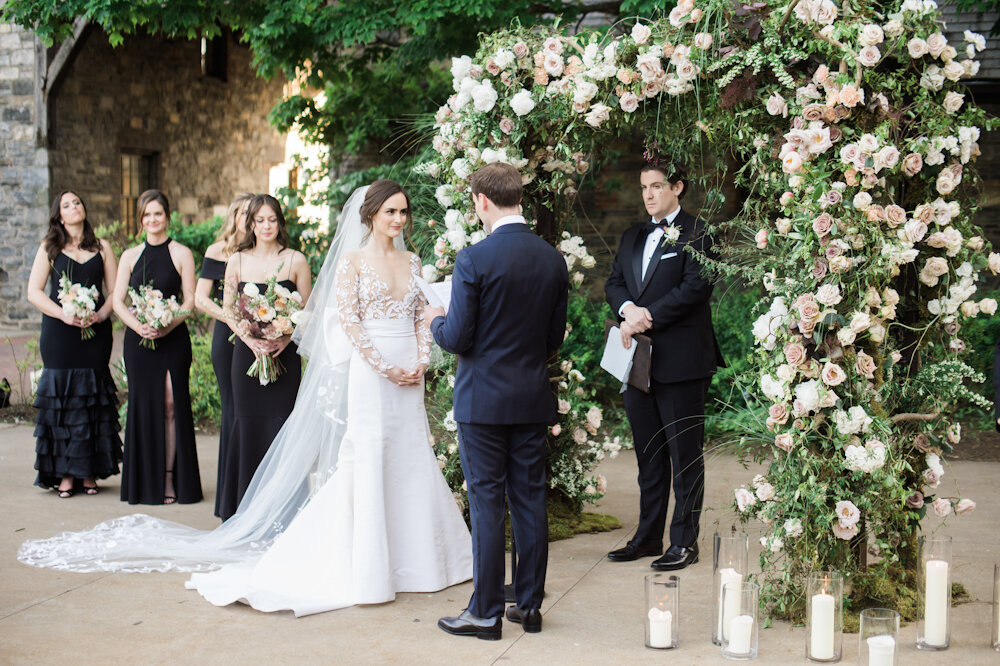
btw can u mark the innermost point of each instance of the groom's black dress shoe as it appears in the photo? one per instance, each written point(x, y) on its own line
point(633, 551)
point(676, 558)
point(530, 619)
point(468, 624)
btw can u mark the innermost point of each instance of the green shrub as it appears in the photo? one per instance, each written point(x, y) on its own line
point(206, 405)
point(980, 334)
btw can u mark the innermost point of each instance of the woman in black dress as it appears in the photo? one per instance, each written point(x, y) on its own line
point(77, 421)
point(161, 461)
point(208, 297)
point(260, 411)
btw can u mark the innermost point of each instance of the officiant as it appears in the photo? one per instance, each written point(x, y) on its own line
point(656, 287)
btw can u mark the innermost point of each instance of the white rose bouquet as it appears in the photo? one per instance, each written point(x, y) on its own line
point(268, 315)
point(150, 307)
point(78, 301)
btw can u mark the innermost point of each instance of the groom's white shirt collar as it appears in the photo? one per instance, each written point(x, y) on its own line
point(510, 219)
point(669, 218)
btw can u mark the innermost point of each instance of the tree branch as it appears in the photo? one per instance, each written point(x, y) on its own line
point(911, 416)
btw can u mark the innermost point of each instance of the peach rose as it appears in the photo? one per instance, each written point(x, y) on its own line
point(895, 215)
point(865, 365)
point(912, 164)
point(795, 353)
point(784, 441)
point(833, 374)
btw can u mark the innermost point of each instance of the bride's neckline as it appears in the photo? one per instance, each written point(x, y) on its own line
point(376, 277)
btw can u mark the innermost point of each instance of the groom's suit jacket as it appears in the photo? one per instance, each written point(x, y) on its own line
point(506, 319)
point(677, 296)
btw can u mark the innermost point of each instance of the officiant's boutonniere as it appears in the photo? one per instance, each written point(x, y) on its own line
point(670, 234)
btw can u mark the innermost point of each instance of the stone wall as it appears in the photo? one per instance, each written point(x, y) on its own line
point(210, 137)
point(24, 173)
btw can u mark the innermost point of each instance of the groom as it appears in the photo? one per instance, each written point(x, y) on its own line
point(657, 288)
point(506, 319)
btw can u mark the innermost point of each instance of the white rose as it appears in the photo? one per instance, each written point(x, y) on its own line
point(597, 115)
point(703, 40)
point(777, 106)
point(871, 35)
point(251, 290)
point(484, 97)
point(553, 64)
point(869, 56)
point(988, 306)
point(521, 102)
point(640, 33)
point(460, 68)
point(916, 47)
point(953, 101)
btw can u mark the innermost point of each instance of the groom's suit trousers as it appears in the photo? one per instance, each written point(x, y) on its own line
point(499, 459)
point(668, 428)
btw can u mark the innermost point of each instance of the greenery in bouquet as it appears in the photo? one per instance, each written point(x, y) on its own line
point(78, 301)
point(267, 315)
point(150, 307)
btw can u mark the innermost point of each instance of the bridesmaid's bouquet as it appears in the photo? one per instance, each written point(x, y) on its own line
point(150, 307)
point(267, 315)
point(78, 301)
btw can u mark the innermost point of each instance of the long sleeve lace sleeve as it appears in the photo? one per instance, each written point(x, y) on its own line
point(424, 337)
point(349, 309)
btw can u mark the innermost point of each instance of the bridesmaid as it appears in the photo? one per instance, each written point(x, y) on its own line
point(161, 461)
point(77, 421)
point(260, 411)
point(208, 297)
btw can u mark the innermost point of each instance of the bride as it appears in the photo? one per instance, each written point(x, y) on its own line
point(349, 506)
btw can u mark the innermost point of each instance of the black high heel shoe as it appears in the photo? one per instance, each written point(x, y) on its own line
point(170, 499)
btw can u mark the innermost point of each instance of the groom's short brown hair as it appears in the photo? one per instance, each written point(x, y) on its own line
point(501, 183)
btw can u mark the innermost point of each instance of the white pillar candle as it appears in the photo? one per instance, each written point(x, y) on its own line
point(660, 628)
point(732, 600)
point(881, 650)
point(740, 631)
point(821, 629)
point(936, 603)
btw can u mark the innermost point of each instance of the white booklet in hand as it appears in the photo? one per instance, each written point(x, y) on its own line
point(617, 360)
point(438, 294)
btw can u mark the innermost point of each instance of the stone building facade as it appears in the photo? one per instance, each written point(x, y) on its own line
point(185, 116)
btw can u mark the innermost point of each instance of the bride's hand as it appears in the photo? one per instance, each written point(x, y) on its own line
point(418, 372)
point(398, 376)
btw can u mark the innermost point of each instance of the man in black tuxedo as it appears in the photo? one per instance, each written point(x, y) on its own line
point(656, 288)
point(506, 319)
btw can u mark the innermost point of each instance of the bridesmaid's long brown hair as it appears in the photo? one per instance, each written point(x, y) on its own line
point(56, 237)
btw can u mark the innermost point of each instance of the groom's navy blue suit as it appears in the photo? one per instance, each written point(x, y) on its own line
point(506, 319)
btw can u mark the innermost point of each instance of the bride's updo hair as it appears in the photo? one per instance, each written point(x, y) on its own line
point(378, 193)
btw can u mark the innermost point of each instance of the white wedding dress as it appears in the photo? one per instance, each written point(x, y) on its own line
point(386, 521)
point(349, 505)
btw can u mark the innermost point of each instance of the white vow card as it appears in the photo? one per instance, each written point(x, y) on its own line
point(438, 294)
point(617, 360)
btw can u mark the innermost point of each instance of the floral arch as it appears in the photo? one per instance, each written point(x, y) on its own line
point(857, 142)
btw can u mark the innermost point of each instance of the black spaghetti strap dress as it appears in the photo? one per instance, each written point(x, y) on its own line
point(258, 414)
point(144, 466)
point(76, 427)
point(222, 363)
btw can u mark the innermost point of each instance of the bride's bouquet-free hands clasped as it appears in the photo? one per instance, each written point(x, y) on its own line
point(270, 315)
point(150, 307)
point(78, 301)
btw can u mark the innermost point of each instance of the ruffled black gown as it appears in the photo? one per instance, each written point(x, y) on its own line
point(258, 414)
point(222, 363)
point(77, 421)
point(144, 467)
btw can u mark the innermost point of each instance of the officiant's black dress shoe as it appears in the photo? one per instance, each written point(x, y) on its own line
point(676, 558)
point(530, 619)
point(634, 550)
point(468, 624)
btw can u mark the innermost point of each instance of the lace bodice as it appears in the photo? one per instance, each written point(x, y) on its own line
point(362, 294)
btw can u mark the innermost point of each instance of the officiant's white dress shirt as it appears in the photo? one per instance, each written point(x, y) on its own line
point(649, 249)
